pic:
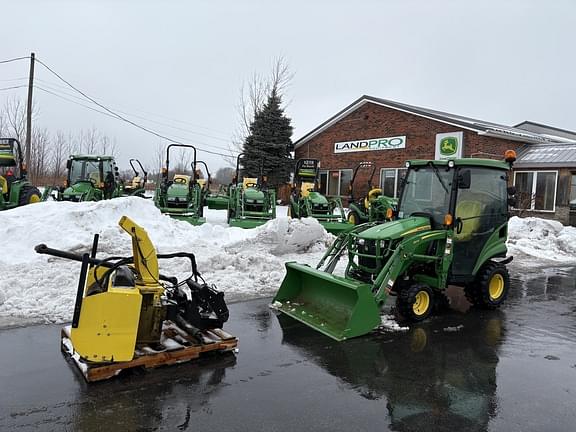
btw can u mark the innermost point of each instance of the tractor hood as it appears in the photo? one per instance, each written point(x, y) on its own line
point(396, 229)
point(317, 198)
point(78, 189)
point(253, 194)
point(177, 191)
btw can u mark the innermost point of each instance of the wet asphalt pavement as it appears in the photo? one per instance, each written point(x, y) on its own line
point(508, 370)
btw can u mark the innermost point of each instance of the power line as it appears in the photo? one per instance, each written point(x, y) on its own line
point(111, 116)
point(13, 87)
point(14, 59)
point(14, 79)
point(118, 116)
point(51, 87)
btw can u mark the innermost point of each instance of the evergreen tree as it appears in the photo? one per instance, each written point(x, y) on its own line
point(267, 148)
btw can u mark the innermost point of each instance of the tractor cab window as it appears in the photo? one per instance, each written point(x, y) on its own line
point(426, 192)
point(85, 170)
point(480, 211)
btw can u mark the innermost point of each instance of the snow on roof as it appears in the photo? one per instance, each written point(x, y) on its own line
point(547, 155)
point(479, 126)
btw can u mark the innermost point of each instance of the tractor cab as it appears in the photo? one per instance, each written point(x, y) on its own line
point(91, 178)
point(15, 189)
point(372, 207)
point(450, 228)
point(307, 201)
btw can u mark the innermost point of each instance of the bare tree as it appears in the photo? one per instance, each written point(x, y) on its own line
point(60, 152)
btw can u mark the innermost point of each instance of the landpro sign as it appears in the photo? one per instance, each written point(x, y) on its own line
point(373, 144)
point(449, 145)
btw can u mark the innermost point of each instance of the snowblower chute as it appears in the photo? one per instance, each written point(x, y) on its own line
point(450, 227)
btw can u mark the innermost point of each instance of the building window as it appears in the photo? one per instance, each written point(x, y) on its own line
point(536, 190)
point(335, 182)
point(391, 181)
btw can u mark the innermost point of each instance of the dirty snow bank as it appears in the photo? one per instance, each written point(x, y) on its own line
point(542, 239)
point(242, 263)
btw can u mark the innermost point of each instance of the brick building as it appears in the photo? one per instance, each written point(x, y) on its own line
point(388, 133)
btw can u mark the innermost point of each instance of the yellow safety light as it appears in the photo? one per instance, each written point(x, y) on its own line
point(389, 213)
point(448, 219)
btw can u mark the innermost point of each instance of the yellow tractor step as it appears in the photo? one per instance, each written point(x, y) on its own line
point(178, 347)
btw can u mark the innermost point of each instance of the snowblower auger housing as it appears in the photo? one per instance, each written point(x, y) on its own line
point(125, 304)
point(450, 227)
point(307, 201)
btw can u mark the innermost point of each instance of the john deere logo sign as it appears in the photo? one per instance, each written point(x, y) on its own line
point(391, 143)
point(449, 145)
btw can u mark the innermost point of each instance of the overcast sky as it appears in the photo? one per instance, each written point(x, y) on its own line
point(501, 61)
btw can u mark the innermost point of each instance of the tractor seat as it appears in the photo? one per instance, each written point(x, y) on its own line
point(94, 177)
point(3, 185)
point(249, 182)
point(372, 195)
point(470, 213)
point(137, 182)
point(181, 179)
point(306, 188)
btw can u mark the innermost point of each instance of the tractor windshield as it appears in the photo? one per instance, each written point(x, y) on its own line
point(85, 170)
point(426, 191)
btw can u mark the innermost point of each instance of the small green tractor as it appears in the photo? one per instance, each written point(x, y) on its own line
point(450, 227)
point(181, 197)
point(15, 189)
point(89, 178)
point(306, 201)
point(203, 182)
point(250, 202)
point(374, 207)
point(137, 185)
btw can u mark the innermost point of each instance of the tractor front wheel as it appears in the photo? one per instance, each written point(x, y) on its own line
point(353, 218)
point(29, 195)
point(415, 302)
point(490, 288)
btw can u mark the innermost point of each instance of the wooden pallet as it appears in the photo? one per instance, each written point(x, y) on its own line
point(179, 346)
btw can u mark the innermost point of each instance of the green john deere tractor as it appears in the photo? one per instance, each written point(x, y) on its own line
point(450, 227)
point(203, 182)
point(137, 185)
point(181, 197)
point(250, 202)
point(306, 201)
point(89, 178)
point(15, 189)
point(370, 208)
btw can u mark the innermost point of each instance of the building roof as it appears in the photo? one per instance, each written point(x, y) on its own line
point(546, 130)
point(550, 155)
point(479, 126)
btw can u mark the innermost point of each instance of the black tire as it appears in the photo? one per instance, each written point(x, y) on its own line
point(353, 217)
point(490, 288)
point(29, 195)
point(415, 302)
point(230, 216)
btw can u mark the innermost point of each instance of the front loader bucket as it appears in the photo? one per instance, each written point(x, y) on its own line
point(217, 203)
point(247, 223)
point(338, 307)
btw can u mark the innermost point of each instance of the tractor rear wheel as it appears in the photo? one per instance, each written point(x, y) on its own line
point(415, 302)
point(490, 288)
point(29, 195)
point(353, 217)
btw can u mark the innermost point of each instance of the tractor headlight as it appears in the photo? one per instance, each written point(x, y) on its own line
point(451, 163)
point(407, 164)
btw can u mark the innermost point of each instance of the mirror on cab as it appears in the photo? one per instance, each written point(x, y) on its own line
point(464, 179)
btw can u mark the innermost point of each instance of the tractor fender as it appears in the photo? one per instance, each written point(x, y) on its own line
point(494, 247)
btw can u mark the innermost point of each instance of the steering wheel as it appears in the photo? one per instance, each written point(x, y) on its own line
point(251, 185)
point(180, 180)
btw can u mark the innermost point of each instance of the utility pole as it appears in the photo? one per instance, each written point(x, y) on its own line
point(29, 111)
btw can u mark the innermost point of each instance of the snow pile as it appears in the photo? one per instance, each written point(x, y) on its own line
point(542, 239)
point(242, 263)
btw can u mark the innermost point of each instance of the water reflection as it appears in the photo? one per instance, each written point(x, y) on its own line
point(146, 400)
point(436, 376)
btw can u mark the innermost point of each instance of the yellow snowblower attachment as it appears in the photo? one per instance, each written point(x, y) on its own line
point(338, 307)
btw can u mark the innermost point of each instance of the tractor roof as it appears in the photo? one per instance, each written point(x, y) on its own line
point(91, 157)
point(471, 162)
